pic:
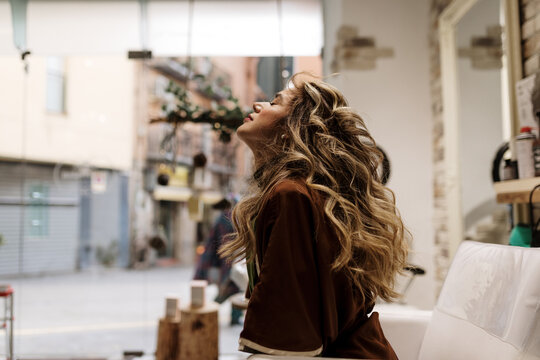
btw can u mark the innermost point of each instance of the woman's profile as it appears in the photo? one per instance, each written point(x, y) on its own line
point(321, 234)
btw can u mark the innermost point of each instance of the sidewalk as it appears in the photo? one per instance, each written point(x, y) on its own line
point(102, 313)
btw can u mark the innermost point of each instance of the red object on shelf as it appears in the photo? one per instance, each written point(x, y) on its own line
point(6, 292)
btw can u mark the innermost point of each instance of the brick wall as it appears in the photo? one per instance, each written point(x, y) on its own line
point(441, 254)
point(530, 35)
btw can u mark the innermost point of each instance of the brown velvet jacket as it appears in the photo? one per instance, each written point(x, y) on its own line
point(299, 306)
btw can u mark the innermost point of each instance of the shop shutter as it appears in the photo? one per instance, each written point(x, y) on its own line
point(49, 221)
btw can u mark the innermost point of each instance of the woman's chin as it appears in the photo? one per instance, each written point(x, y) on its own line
point(245, 138)
point(243, 131)
point(240, 132)
point(243, 134)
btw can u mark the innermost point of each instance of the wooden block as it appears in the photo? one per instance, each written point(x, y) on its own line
point(199, 333)
point(168, 339)
point(198, 288)
point(172, 305)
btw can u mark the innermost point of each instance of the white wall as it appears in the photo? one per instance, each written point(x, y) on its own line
point(394, 100)
point(97, 128)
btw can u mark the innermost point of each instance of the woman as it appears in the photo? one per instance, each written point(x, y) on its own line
point(321, 234)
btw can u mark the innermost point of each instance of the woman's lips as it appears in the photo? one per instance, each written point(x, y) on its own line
point(247, 119)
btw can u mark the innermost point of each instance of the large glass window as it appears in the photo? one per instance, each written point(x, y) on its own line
point(96, 231)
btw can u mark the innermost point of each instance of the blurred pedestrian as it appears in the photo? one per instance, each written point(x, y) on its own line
point(211, 260)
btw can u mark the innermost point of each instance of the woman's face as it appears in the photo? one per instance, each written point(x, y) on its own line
point(262, 124)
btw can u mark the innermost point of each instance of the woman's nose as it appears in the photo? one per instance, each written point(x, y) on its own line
point(257, 107)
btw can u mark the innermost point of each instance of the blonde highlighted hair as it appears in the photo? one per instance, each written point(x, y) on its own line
point(327, 144)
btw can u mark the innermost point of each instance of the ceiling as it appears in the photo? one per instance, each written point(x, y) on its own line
point(219, 27)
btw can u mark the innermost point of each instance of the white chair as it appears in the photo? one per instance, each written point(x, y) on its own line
point(489, 308)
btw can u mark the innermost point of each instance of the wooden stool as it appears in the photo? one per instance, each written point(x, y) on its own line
point(168, 339)
point(168, 331)
point(6, 322)
point(199, 333)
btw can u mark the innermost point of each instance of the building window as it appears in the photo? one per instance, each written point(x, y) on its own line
point(56, 85)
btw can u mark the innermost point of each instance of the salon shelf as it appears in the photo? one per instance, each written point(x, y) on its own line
point(517, 191)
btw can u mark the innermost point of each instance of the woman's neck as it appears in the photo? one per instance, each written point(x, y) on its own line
point(259, 162)
point(261, 158)
point(262, 164)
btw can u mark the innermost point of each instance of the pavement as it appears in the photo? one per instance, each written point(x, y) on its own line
point(101, 313)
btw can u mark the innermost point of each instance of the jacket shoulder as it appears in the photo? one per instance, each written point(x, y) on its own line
point(290, 186)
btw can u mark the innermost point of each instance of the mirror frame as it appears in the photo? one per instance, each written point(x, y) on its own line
point(448, 20)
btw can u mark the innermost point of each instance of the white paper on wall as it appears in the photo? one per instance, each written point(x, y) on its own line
point(524, 89)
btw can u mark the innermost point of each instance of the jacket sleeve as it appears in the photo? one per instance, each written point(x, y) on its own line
point(283, 316)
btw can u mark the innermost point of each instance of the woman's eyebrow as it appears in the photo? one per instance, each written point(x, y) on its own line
point(277, 96)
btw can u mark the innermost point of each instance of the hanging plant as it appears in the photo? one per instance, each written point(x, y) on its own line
point(225, 119)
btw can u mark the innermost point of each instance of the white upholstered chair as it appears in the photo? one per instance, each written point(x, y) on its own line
point(489, 308)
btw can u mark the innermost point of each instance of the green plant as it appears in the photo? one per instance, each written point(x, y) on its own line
point(1, 239)
point(225, 116)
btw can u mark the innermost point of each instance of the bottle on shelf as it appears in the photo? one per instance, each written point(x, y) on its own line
point(524, 151)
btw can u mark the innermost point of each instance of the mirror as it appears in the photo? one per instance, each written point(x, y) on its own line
point(483, 117)
point(478, 61)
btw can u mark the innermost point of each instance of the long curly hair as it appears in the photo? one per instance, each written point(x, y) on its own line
point(326, 143)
